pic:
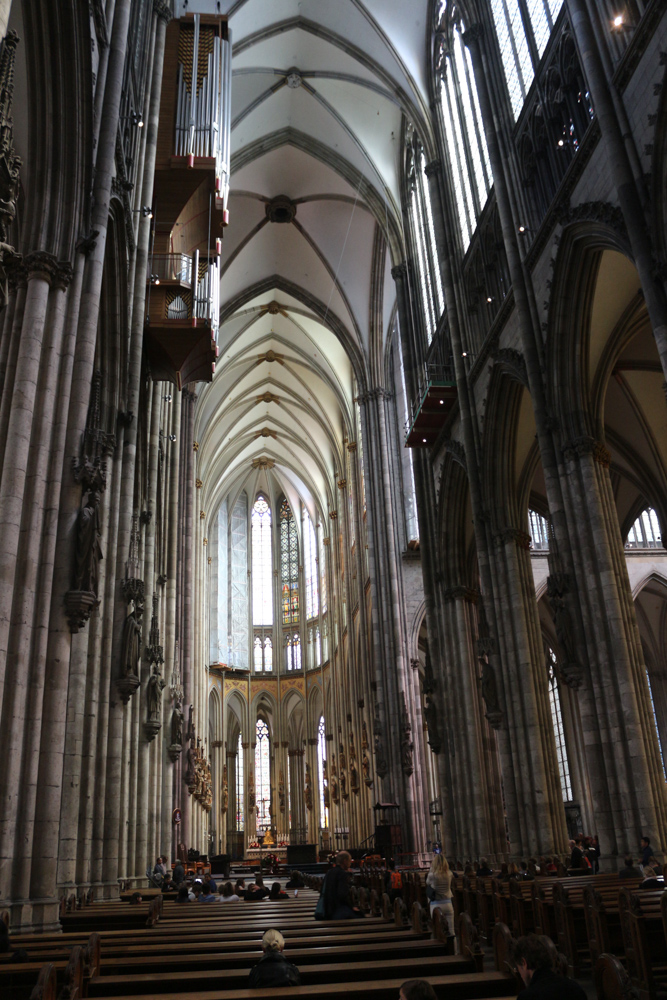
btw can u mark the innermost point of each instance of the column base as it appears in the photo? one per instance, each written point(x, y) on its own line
point(33, 916)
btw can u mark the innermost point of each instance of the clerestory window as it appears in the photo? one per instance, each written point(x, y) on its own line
point(559, 732)
point(645, 532)
point(523, 28)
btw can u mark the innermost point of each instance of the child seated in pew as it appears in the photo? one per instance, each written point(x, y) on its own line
point(239, 888)
point(630, 870)
point(228, 895)
point(277, 892)
point(273, 969)
point(183, 894)
point(135, 898)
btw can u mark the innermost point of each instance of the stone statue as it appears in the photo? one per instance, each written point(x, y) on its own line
point(366, 769)
point(343, 785)
point(431, 716)
point(407, 746)
point(131, 646)
point(88, 544)
point(281, 791)
point(490, 694)
point(342, 759)
point(191, 771)
point(327, 804)
point(381, 767)
point(335, 795)
point(225, 789)
point(154, 695)
point(251, 790)
point(354, 777)
point(364, 736)
point(308, 792)
point(177, 724)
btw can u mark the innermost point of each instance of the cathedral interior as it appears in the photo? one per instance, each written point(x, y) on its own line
point(333, 432)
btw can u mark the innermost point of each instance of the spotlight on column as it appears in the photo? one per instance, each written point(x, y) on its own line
point(172, 438)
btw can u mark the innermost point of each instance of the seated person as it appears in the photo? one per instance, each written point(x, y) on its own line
point(417, 989)
point(183, 894)
point(526, 875)
point(206, 895)
point(239, 888)
point(135, 898)
point(197, 889)
point(295, 881)
point(167, 884)
point(228, 895)
point(213, 884)
point(629, 871)
point(484, 871)
point(276, 892)
point(256, 889)
point(273, 969)
point(550, 867)
point(651, 879)
point(533, 963)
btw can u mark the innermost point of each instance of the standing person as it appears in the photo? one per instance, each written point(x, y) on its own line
point(273, 969)
point(533, 963)
point(336, 890)
point(646, 850)
point(178, 875)
point(576, 853)
point(439, 890)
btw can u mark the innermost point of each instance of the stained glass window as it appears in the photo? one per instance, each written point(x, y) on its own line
point(289, 566)
point(310, 568)
point(257, 654)
point(323, 574)
point(262, 563)
point(293, 651)
point(263, 776)
point(645, 532)
point(268, 653)
point(240, 799)
point(559, 732)
point(321, 768)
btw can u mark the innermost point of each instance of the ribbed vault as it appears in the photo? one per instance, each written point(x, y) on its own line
point(319, 96)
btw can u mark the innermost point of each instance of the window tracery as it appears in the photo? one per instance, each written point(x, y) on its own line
point(293, 651)
point(539, 531)
point(645, 533)
point(655, 723)
point(310, 563)
point(428, 265)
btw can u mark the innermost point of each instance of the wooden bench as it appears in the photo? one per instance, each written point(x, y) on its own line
point(644, 940)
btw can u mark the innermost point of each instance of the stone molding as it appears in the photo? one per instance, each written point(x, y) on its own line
point(460, 593)
point(521, 538)
point(399, 271)
point(594, 211)
point(40, 264)
point(163, 10)
point(433, 168)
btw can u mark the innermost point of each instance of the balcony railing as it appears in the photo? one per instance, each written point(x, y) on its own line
point(176, 267)
point(436, 397)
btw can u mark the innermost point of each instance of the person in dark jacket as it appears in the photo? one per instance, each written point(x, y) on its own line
point(533, 963)
point(178, 875)
point(646, 850)
point(629, 871)
point(336, 891)
point(273, 969)
point(484, 871)
point(256, 890)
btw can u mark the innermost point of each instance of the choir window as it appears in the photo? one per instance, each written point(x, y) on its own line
point(289, 566)
point(262, 564)
point(539, 531)
point(240, 801)
point(322, 770)
point(263, 776)
point(463, 129)
point(293, 651)
point(645, 532)
point(559, 732)
point(262, 653)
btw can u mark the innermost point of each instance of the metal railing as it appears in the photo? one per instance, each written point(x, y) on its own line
point(433, 373)
point(172, 267)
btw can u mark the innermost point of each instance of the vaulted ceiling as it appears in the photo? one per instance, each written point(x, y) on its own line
point(321, 89)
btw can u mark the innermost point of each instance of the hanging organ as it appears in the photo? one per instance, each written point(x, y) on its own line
point(191, 195)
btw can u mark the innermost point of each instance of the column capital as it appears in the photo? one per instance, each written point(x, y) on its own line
point(163, 10)
point(400, 271)
point(433, 168)
point(40, 264)
point(586, 445)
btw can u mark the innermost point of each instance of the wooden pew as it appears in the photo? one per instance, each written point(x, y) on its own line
point(644, 940)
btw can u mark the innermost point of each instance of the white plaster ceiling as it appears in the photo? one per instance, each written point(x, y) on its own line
point(331, 143)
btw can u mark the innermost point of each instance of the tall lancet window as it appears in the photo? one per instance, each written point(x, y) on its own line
point(322, 770)
point(559, 732)
point(289, 566)
point(240, 798)
point(428, 264)
point(522, 41)
point(464, 133)
point(655, 723)
point(263, 776)
point(262, 564)
point(310, 567)
point(293, 651)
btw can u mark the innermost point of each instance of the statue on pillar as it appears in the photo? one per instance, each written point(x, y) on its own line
point(431, 716)
point(366, 769)
point(225, 790)
point(251, 790)
point(281, 791)
point(308, 792)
